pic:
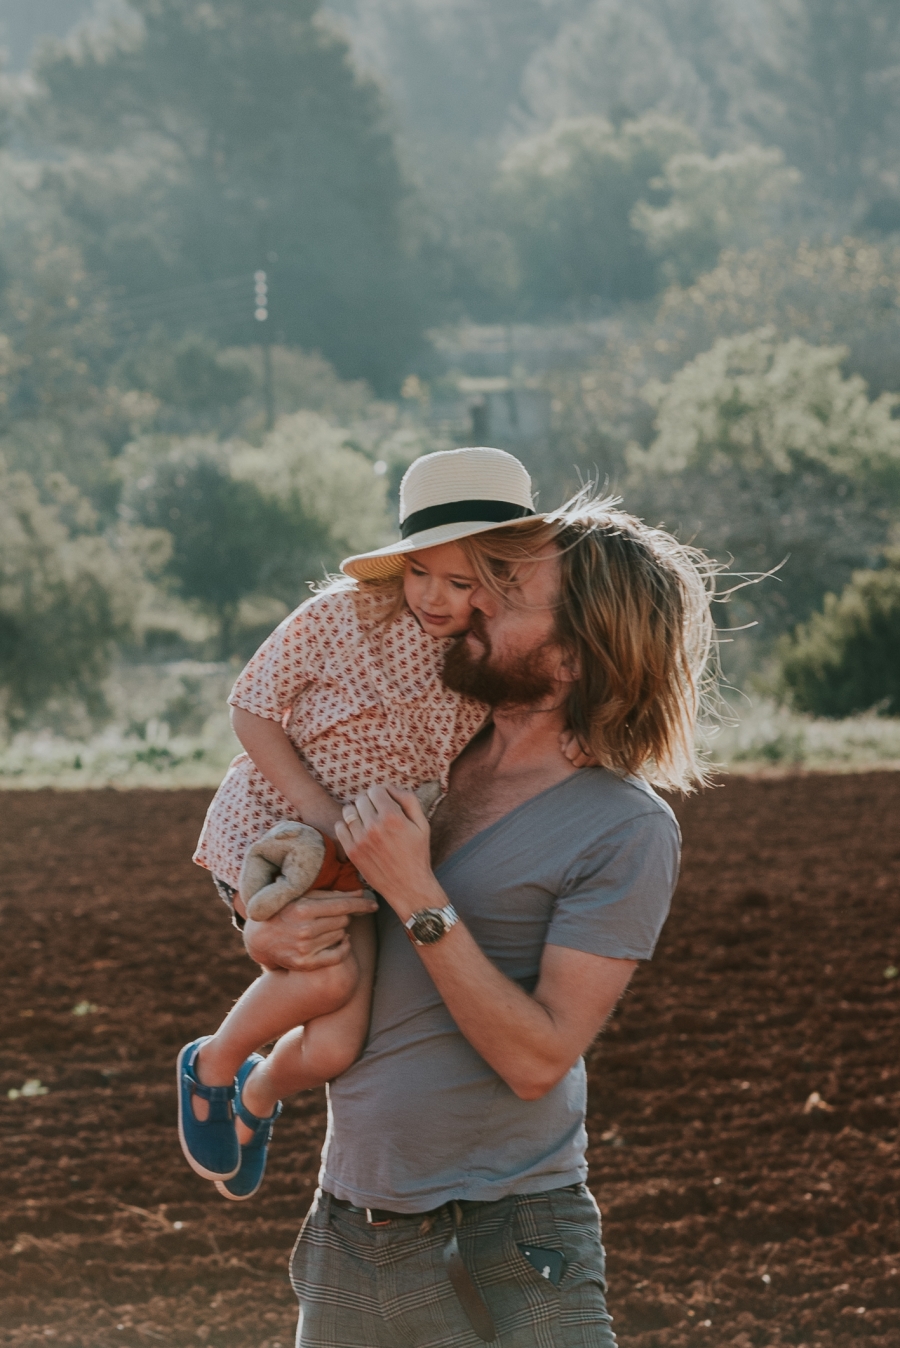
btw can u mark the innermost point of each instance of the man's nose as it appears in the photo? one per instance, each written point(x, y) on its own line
point(482, 599)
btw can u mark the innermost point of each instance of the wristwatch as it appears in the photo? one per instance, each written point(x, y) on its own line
point(428, 925)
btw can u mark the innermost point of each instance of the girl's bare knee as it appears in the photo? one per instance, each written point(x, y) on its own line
point(332, 1050)
point(335, 985)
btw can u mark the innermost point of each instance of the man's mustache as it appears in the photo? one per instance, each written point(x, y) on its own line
point(478, 627)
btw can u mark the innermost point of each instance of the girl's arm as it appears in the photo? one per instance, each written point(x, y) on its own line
point(277, 759)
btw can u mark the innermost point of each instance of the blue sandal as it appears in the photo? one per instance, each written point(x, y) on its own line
point(210, 1146)
point(249, 1177)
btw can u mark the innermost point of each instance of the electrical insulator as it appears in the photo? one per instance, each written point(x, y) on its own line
point(261, 295)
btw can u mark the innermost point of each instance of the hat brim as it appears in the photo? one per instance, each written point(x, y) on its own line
point(385, 563)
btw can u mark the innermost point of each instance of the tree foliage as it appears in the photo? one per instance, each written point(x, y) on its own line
point(846, 292)
point(67, 594)
point(831, 97)
point(311, 469)
point(683, 58)
point(766, 451)
point(189, 373)
point(248, 521)
point(569, 195)
point(846, 658)
point(227, 136)
point(714, 203)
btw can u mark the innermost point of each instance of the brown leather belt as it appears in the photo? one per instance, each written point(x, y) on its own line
point(471, 1300)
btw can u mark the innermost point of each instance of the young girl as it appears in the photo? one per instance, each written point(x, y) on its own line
point(346, 693)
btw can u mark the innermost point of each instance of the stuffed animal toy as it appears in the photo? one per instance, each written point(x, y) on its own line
point(294, 858)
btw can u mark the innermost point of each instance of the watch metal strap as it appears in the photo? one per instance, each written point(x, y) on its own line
point(447, 915)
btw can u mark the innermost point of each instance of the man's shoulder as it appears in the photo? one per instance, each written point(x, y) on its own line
point(600, 814)
point(611, 798)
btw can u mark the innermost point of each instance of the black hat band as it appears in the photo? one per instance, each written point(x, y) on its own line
point(461, 512)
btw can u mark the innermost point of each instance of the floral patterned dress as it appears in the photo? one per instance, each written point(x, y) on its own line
point(362, 702)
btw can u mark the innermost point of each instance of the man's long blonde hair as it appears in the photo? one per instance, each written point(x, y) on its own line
point(634, 616)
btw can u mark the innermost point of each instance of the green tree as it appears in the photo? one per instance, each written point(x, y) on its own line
point(189, 373)
point(217, 138)
point(731, 200)
point(833, 101)
point(568, 196)
point(251, 521)
point(684, 58)
point(227, 538)
point(67, 595)
point(765, 451)
point(846, 658)
point(846, 292)
point(312, 471)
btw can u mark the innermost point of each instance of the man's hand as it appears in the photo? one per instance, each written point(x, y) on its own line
point(386, 836)
point(310, 933)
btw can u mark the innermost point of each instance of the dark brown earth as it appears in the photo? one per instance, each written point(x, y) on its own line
point(735, 1212)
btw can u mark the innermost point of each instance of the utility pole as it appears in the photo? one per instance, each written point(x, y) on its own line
point(261, 314)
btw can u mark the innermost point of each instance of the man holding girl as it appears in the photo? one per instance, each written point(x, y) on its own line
point(558, 660)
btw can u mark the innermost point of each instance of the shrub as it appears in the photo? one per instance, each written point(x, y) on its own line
point(767, 452)
point(67, 594)
point(846, 658)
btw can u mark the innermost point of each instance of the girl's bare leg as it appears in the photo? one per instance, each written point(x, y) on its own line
point(323, 1048)
point(281, 1000)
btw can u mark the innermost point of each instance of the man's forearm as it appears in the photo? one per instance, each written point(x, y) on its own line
point(531, 1041)
point(512, 1031)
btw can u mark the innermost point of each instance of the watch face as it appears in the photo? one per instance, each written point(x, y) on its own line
point(428, 927)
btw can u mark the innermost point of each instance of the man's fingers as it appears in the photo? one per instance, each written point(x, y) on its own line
point(317, 959)
point(409, 804)
point(366, 810)
point(321, 903)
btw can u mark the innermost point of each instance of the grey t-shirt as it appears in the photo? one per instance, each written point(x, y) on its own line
point(421, 1118)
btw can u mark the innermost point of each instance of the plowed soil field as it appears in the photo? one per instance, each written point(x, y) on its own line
point(745, 1098)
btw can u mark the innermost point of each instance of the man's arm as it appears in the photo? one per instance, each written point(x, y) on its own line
point(531, 1041)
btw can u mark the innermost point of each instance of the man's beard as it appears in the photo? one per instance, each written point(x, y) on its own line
point(520, 681)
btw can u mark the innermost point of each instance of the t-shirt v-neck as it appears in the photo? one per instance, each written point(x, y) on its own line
point(590, 864)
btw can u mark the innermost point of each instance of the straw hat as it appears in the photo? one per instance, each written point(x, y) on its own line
point(446, 496)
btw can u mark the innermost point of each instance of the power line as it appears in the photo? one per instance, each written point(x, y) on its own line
point(222, 299)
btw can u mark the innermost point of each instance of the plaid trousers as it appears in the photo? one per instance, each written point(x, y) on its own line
point(362, 1286)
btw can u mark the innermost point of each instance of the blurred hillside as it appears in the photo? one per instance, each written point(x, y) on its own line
point(256, 255)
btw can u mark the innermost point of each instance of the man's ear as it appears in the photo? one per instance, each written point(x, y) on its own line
point(569, 668)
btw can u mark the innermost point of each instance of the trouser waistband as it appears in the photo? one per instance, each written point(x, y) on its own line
point(383, 1216)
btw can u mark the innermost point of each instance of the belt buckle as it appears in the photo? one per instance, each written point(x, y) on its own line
point(371, 1220)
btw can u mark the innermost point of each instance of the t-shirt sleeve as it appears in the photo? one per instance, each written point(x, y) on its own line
point(617, 898)
point(276, 676)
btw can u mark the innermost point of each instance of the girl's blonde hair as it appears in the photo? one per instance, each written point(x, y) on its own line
point(634, 615)
point(389, 589)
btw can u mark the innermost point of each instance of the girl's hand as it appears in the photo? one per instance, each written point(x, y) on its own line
point(386, 836)
point(575, 751)
point(324, 814)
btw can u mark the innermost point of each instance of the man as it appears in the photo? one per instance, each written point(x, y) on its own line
point(452, 1207)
